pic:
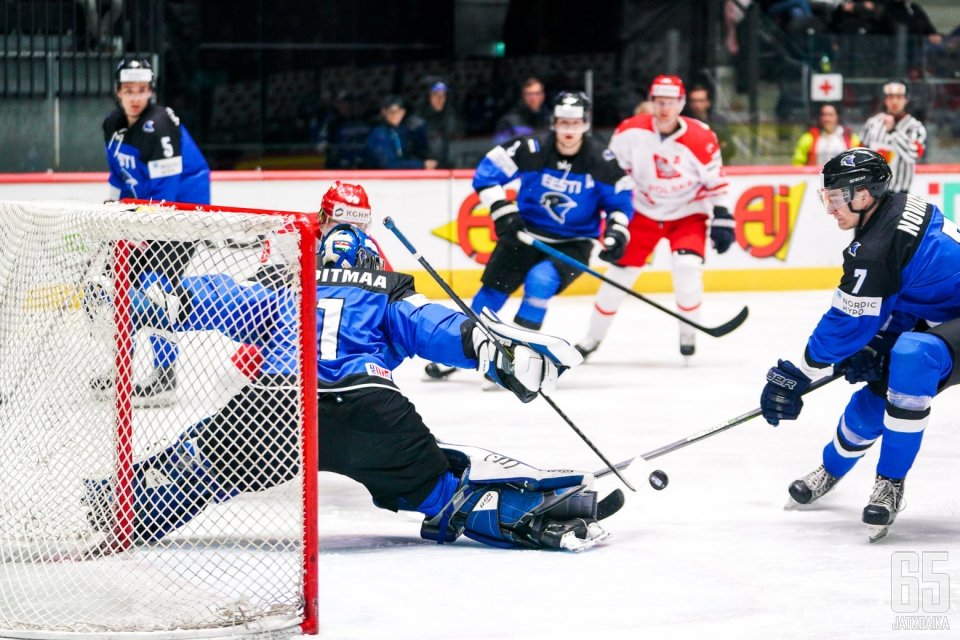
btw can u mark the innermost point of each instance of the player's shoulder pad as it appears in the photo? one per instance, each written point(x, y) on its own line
point(642, 122)
point(602, 161)
point(114, 121)
point(700, 139)
point(160, 120)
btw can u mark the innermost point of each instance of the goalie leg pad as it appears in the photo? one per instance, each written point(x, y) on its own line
point(505, 503)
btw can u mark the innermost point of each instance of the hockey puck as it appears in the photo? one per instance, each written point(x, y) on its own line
point(659, 480)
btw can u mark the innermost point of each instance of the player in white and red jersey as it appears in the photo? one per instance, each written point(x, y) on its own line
point(680, 189)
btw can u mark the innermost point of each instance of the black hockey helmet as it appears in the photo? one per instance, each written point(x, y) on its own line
point(135, 70)
point(858, 168)
point(573, 105)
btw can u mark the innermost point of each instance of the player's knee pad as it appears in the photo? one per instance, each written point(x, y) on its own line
point(687, 279)
point(541, 284)
point(918, 363)
point(489, 298)
point(505, 503)
point(169, 490)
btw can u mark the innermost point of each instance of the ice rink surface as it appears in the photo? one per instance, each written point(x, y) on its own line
point(714, 555)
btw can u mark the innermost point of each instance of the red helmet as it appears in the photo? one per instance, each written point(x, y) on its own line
point(344, 202)
point(668, 87)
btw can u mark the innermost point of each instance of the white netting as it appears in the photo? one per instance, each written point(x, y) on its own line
point(89, 542)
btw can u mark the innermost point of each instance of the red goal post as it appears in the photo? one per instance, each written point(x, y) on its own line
point(72, 312)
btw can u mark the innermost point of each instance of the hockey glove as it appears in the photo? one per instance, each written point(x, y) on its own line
point(781, 398)
point(615, 237)
point(722, 229)
point(523, 371)
point(871, 363)
point(506, 219)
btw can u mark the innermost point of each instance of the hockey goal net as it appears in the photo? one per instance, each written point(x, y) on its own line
point(120, 513)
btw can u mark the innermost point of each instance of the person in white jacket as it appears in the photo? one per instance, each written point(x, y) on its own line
point(680, 191)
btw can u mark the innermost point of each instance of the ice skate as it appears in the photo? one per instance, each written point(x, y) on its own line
point(437, 371)
point(159, 389)
point(811, 487)
point(688, 344)
point(886, 502)
point(586, 346)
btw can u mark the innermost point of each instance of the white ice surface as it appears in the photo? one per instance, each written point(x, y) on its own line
point(714, 555)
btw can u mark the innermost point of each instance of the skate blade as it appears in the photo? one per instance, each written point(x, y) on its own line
point(595, 534)
point(156, 401)
point(877, 532)
point(793, 505)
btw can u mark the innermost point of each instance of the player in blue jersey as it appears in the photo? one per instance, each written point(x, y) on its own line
point(568, 180)
point(894, 323)
point(151, 156)
point(369, 321)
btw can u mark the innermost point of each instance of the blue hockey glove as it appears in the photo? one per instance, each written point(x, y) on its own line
point(506, 219)
point(615, 237)
point(722, 229)
point(781, 398)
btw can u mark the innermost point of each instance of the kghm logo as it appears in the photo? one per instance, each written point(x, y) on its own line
point(766, 217)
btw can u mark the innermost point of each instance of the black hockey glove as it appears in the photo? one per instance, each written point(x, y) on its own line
point(722, 229)
point(615, 237)
point(871, 363)
point(506, 219)
point(781, 398)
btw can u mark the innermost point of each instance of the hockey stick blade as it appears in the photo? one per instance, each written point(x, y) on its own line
point(716, 332)
point(611, 504)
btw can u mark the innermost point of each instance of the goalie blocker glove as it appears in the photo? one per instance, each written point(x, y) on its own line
point(505, 503)
point(616, 236)
point(722, 229)
point(533, 360)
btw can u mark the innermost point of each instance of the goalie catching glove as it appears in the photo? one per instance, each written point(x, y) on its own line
point(529, 362)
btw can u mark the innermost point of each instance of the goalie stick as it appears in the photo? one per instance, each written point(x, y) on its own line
point(716, 332)
point(389, 224)
point(706, 433)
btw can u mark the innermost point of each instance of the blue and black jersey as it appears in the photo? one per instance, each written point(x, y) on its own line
point(903, 266)
point(155, 158)
point(560, 196)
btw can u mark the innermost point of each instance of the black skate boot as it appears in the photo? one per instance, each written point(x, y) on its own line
point(586, 347)
point(437, 371)
point(688, 345)
point(812, 486)
point(159, 389)
point(886, 502)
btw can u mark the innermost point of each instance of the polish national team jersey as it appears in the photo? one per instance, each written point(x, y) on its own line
point(902, 267)
point(559, 196)
point(676, 176)
point(155, 158)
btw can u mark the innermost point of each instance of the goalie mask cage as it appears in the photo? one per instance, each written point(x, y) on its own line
point(73, 278)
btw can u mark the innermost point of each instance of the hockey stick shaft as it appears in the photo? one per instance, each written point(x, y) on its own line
point(716, 332)
point(389, 224)
point(707, 433)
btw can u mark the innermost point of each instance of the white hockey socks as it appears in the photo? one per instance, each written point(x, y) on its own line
point(607, 303)
point(688, 290)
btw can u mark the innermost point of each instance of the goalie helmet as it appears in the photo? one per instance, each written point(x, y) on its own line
point(348, 247)
point(668, 87)
point(344, 203)
point(572, 105)
point(135, 70)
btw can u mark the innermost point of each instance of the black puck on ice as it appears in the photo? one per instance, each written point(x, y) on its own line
point(659, 480)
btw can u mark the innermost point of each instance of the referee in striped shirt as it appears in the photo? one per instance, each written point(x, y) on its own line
point(896, 135)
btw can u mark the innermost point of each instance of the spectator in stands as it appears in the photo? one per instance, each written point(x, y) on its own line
point(700, 106)
point(856, 16)
point(824, 141)
point(344, 133)
point(436, 123)
point(910, 14)
point(787, 11)
point(644, 106)
point(528, 118)
point(392, 144)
